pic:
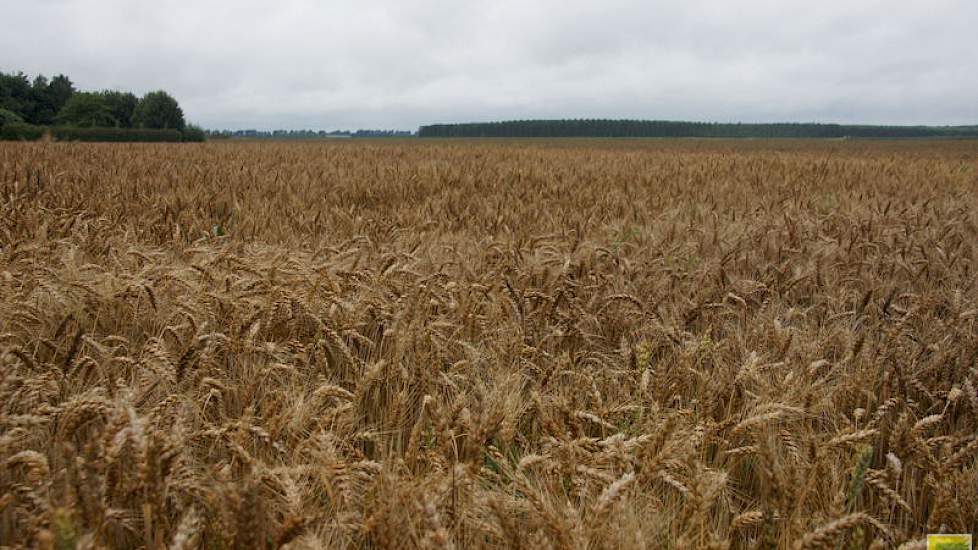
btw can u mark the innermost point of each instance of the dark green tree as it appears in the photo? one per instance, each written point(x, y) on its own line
point(9, 117)
point(192, 132)
point(36, 102)
point(86, 109)
point(59, 91)
point(158, 110)
point(43, 111)
point(15, 95)
point(122, 105)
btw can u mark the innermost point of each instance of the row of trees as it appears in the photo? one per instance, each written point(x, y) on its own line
point(307, 134)
point(55, 101)
point(665, 128)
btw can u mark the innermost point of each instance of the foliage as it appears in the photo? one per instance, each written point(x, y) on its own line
point(115, 134)
point(7, 117)
point(37, 102)
point(16, 94)
point(29, 132)
point(59, 91)
point(419, 344)
point(45, 103)
point(122, 106)
point(20, 131)
point(308, 134)
point(664, 128)
point(86, 110)
point(158, 110)
point(194, 133)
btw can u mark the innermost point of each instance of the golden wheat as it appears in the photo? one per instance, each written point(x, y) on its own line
point(473, 344)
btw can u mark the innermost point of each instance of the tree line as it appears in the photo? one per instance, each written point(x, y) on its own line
point(665, 129)
point(306, 134)
point(28, 106)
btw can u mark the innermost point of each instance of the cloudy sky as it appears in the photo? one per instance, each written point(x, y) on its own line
point(327, 64)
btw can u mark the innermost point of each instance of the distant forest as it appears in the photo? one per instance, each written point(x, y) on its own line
point(667, 129)
point(306, 134)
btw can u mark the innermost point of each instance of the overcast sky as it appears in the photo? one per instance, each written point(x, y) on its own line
point(328, 64)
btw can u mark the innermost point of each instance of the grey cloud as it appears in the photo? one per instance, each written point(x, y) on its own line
point(398, 64)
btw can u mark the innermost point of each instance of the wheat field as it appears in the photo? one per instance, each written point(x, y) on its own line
point(488, 344)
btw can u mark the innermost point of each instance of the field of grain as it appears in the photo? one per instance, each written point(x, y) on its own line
point(474, 344)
